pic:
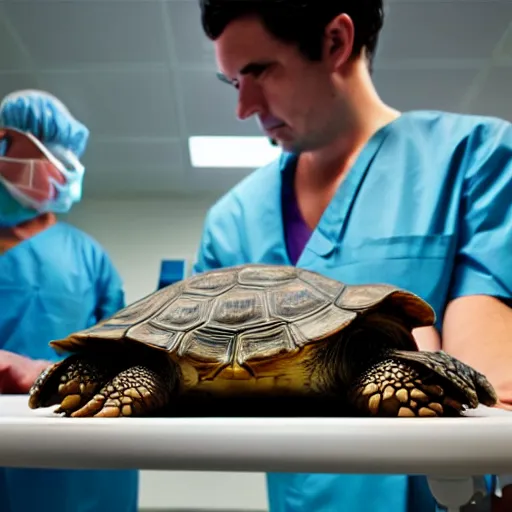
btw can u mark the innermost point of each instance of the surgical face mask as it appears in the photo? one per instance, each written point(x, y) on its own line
point(39, 178)
point(12, 213)
point(73, 170)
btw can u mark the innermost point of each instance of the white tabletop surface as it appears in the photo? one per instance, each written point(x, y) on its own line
point(478, 444)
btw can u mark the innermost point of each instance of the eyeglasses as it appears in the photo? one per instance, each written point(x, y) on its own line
point(223, 78)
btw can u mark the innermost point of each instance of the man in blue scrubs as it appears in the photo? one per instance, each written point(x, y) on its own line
point(363, 193)
point(55, 279)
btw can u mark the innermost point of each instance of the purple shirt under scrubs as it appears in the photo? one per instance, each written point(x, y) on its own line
point(297, 232)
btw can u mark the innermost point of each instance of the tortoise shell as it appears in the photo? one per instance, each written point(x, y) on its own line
point(248, 312)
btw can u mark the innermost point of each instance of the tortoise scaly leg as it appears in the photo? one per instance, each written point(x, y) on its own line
point(137, 391)
point(392, 388)
point(474, 386)
point(70, 383)
point(420, 384)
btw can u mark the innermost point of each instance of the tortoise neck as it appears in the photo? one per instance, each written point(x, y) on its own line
point(369, 340)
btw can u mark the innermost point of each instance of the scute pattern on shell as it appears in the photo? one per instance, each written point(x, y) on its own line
point(229, 314)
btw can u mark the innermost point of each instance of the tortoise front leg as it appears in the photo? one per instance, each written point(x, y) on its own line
point(137, 391)
point(71, 382)
point(409, 383)
point(392, 388)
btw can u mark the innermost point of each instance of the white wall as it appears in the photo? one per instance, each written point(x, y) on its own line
point(138, 235)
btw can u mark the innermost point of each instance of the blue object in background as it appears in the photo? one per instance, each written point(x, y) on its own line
point(171, 271)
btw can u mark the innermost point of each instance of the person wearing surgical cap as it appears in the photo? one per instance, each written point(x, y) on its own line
point(56, 280)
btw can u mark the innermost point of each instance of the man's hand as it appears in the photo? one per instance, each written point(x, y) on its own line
point(502, 405)
point(18, 373)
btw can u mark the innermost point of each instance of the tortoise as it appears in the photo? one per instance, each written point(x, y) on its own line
point(257, 335)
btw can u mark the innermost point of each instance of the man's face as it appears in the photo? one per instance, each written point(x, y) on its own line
point(292, 97)
point(26, 170)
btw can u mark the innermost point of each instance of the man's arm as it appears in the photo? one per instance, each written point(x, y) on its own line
point(427, 338)
point(478, 330)
point(477, 324)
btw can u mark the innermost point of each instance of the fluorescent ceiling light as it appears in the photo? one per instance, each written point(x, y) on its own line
point(231, 151)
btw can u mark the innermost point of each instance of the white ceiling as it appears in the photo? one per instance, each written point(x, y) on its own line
point(140, 74)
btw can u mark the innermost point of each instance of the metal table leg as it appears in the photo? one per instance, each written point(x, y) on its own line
point(460, 494)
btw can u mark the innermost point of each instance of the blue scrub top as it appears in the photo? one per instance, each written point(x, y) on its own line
point(427, 206)
point(52, 284)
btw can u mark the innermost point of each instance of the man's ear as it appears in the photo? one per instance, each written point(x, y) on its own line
point(339, 41)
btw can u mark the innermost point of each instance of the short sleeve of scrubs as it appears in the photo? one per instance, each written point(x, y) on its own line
point(484, 258)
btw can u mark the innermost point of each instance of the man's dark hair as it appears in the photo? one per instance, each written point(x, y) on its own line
point(302, 22)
